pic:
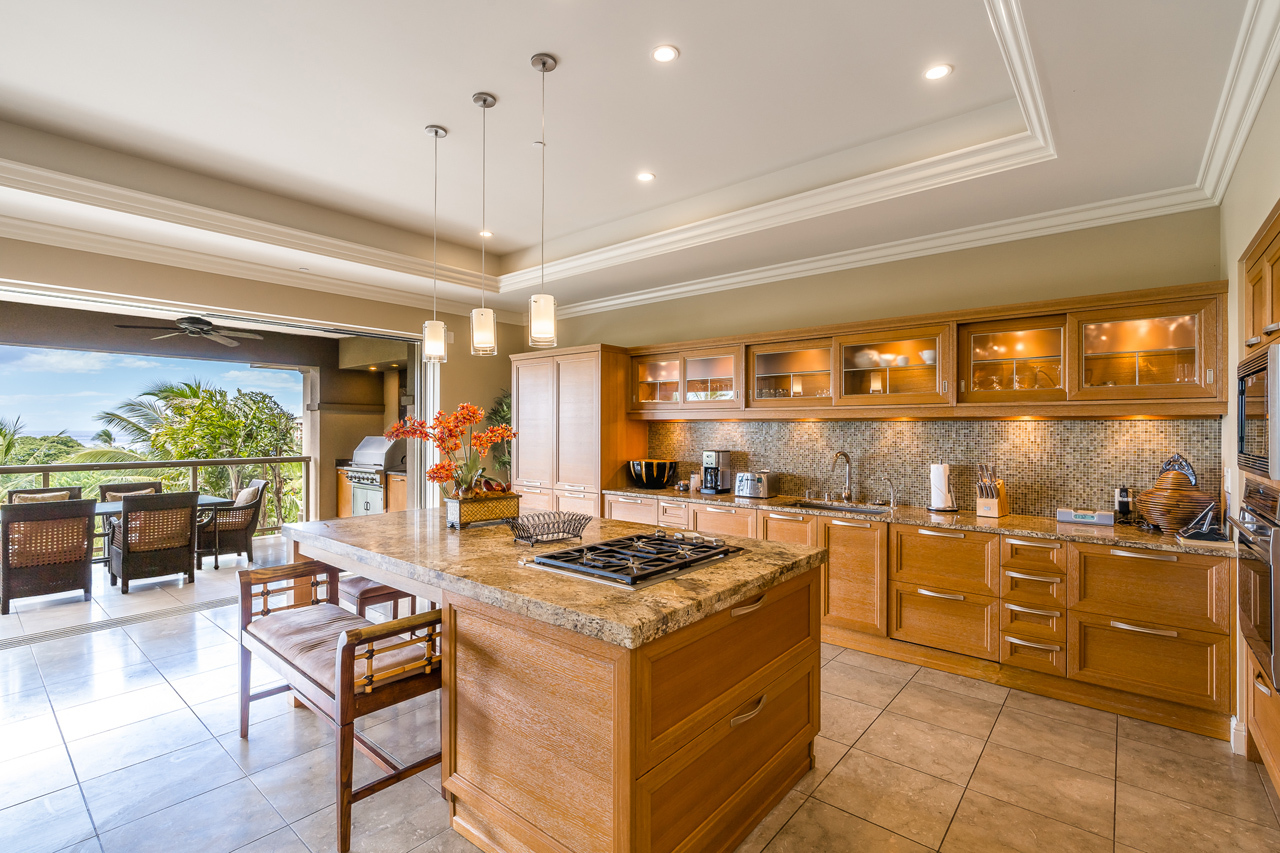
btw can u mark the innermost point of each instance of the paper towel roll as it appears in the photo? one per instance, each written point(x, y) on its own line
point(940, 486)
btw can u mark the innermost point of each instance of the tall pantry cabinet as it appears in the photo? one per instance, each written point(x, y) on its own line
point(573, 437)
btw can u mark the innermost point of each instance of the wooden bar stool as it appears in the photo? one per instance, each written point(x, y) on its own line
point(364, 593)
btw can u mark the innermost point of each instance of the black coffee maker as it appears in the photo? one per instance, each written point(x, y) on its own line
point(717, 476)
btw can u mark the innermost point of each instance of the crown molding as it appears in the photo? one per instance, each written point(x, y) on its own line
point(1253, 65)
point(1015, 46)
point(122, 247)
point(1022, 228)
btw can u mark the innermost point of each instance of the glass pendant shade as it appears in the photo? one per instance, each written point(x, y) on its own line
point(542, 320)
point(435, 340)
point(484, 332)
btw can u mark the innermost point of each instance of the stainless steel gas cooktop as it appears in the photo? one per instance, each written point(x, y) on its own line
point(634, 562)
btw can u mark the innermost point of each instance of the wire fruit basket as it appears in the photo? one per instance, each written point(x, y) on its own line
point(548, 526)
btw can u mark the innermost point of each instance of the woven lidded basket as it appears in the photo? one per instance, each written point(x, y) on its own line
point(1174, 500)
point(460, 512)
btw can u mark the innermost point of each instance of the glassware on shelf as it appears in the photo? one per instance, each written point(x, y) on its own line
point(709, 378)
point(793, 374)
point(892, 367)
point(658, 381)
point(1154, 351)
point(1017, 360)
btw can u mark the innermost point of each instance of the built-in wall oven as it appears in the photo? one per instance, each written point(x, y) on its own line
point(1258, 395)
point(1259, 551)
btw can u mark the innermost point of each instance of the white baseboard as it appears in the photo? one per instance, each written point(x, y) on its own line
point(1239, 736)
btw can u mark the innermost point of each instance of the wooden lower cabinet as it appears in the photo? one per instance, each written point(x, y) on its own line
point(673, 514)
point(540, 499)
point(1178, 664)
point(793, 528)
point(723, 520)
point(1184, 590)
point(1263, 717)
point(855, 579)
point(956, 560)
point(965, 623)
point(1047, 656)
point(584, 502)
point(344, 494)
point(1033, 588)
point(625, 508)
point(397, 492)
point(1033, 623)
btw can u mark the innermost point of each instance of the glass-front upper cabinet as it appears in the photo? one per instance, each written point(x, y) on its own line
point(1013, 361)
point(1153, 352)
point(791, 374)
point(655, 381)
point(900, 367)
point(712, 378)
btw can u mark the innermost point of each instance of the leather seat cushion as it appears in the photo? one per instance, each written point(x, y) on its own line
point(308, 638)
point(355, 588)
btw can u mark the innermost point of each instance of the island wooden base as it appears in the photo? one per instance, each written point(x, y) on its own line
point(558, 743)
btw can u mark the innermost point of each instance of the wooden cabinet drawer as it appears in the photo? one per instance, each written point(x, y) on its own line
point(965, 623)
point(584, 502)
point(723, 520)
point(709, 794)
point(1185, 590)
point(855, 587)
point(1181, 665)
point(689, 679)
point(1038, 555)
point(626, 508)
point(535, 499)
point(1034, 623)
point(1264, 716)
point(673, 514)
point(1033, 588)
point(1040, 655)
point(958, 560)
point(789, 527)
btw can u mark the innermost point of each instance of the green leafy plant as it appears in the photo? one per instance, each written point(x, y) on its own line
point(499, 414)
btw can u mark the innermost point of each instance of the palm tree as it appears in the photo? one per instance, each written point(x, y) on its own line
point(138, 418)
point(9, 432)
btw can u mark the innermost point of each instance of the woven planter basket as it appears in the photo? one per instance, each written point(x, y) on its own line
point(460, 512)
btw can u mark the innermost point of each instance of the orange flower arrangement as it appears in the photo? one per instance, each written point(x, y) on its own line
point(460, 463)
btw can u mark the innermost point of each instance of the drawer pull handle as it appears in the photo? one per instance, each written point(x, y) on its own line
point(749, 608)
point(717, 509)
point(1053, 546)
point(1049, 579)
point(1256, 339)
point(572, 486)
point(629, 500)
point(533, 491)
point(1273, 327)
point(1168, 558)
point(1051, 613)
point(531, 482)
point(1257, 682)
point(742, 718)
point(838, 523)
point(1043, 646)
point(786, 517)
point(1122, 626)
point(926, 532)
point(666, 505)
point(946, 595)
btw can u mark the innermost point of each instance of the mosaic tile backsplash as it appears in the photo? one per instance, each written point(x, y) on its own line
point(1045, 464)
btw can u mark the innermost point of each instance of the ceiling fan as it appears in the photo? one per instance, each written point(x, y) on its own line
point(199, 327)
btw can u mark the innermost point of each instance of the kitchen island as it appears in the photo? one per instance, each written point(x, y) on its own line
point(582, 717)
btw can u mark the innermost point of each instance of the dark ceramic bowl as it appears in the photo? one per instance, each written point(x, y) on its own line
point(653, 473)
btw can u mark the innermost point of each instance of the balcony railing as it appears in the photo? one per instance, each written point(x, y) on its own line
point(44, 476)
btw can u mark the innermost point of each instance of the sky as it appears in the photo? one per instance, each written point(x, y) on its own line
point(54, 390)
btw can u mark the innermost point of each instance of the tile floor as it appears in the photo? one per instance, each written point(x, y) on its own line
point(126, 740)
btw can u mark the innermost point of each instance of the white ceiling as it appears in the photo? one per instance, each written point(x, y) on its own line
point(784, 133)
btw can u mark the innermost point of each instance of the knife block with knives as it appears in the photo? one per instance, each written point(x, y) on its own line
point(993, 501)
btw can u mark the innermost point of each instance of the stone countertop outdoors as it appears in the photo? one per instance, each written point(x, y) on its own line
point(1032, 527)
point(481, 563)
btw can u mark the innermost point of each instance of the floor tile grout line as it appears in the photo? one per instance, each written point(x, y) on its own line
point(115, 622)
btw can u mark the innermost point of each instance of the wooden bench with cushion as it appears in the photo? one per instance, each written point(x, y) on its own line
point(341, 665)
point(362, 593)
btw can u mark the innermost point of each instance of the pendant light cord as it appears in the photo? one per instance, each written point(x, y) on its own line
point(435, 221)
point(542, 287)
point(484, 166)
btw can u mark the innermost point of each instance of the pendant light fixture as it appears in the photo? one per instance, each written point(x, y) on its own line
point(484, 327)
point(435, 337)
point(542, 305)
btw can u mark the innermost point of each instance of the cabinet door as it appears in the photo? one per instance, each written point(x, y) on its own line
point(787, 527)
point(397, 493)
point(964, 623)
point(1257, 303)
point(638, 510)
point(723, 520)
point(957, 560)
point(1263, 709)
point(655, 381)
point(1145, 352)
point(791, 374)
point(901, 367)
point(1188, 667)
point(1047, 656)
point(855, 580)
point(344, 495)
point(1013, 361)
point(584, 502)
point(577, 454)
point(712, 378)
point(535, 499)
point(673, 514)
point(533, 419)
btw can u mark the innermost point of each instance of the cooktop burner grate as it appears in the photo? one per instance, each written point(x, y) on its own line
point(636, 561)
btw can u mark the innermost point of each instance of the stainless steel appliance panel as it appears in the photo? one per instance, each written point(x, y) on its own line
point(1258, 396)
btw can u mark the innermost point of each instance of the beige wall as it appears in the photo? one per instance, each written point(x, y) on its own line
point(1167, 250)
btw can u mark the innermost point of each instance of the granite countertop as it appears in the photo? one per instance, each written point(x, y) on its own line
point(481, 563)
point(1032, 527)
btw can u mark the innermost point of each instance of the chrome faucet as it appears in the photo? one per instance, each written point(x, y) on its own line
point(893, 493)
point(847, 494)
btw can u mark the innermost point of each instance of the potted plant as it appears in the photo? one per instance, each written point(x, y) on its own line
point(469, 494)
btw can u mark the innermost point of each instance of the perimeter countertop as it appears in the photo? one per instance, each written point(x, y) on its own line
point(1032, 527)
point(482, 563)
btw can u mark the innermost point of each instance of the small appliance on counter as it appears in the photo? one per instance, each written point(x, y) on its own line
point(941, 498)
point(717, 473)
point(1125, 507)
point(760, 484)
point(1100, 517)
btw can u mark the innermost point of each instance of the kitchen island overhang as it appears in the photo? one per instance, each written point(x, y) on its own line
point(580, 717)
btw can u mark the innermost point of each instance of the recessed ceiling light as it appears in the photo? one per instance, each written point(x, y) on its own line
point(304, 269)
point(937, 72)
point(486, 233)
point(645, 176)
point(665, 53)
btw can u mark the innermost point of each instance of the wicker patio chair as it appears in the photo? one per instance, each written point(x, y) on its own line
point(154, 536)
point(31, 496)
point(224, 529)
point(45, 548)
point(111, 492)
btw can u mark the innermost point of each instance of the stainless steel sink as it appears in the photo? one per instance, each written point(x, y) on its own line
point(860, 510)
